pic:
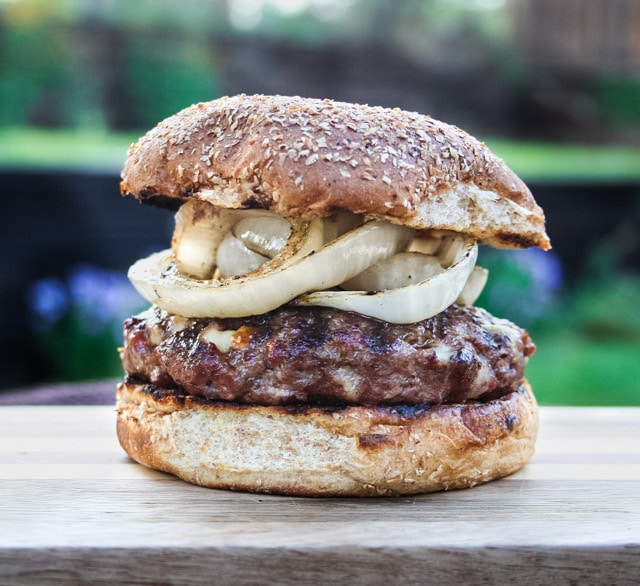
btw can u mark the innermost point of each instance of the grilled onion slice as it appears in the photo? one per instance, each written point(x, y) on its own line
point(234, 258)
point(303, 265)
point(264, 235)
point(474, 286)
point(201, 228)
point(410, 303)
point(251, 243)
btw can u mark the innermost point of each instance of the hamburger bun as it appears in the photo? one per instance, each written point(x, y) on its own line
point(304, 158)
point(313, 451)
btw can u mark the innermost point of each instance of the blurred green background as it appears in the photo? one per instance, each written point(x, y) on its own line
point(552, 87)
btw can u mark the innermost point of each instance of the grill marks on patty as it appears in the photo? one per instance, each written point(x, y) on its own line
point(326, 356)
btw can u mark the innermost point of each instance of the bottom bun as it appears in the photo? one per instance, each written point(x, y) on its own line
point(316, 451)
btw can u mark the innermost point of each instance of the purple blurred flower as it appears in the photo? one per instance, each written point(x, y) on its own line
point(100, 299)
point(47, 300)
point(523, 285)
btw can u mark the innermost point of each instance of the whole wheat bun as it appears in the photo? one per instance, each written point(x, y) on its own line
point(310, 158)
point(310, 451)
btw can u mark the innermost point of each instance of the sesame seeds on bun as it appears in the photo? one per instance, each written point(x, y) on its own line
point(305, 158)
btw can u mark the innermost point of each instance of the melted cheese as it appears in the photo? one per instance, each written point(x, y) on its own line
point(223, 339)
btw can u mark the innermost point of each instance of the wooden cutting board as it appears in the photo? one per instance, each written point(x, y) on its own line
point(75, 509)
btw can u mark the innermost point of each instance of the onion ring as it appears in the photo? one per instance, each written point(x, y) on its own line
point(303, 265)
point(411, 303)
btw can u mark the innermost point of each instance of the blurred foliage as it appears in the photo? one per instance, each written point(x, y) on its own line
point(64, 148)
point(78, 320)
point(587, 333)
point(125, 64)
point(573, 369)
point(31, 67)
point(589, 349)
point(523, 285)
point(162, 83)
point(549, 161)
point(619, 97)
point(71, 64)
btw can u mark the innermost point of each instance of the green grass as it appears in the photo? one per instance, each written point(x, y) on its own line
point(570, 368)
point(36, 148)
point(51, 149)
point(541, 161)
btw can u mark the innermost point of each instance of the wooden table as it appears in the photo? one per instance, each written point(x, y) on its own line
point(75, 509)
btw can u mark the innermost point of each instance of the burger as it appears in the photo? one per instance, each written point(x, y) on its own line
point(312, 328)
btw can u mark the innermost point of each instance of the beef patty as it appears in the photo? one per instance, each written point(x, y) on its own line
point(317, 355)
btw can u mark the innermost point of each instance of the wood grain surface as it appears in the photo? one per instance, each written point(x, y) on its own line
point(74, 509)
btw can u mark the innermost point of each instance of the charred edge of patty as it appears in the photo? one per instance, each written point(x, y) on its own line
point(182, 399)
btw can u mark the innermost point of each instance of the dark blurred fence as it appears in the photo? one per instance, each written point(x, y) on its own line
point(594, 37)
point(131, 78)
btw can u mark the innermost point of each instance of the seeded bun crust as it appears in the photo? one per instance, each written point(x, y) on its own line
point(310, 451)
point(310, 158)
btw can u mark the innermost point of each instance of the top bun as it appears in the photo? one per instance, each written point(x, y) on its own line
point(309, 158)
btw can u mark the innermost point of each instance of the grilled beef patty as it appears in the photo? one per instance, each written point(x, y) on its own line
point(317, 355)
